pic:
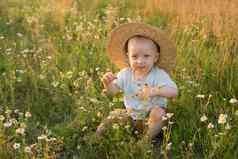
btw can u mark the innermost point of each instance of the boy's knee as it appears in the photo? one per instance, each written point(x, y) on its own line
point(156, 114)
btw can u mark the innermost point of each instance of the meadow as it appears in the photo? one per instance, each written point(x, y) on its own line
point(52, 56)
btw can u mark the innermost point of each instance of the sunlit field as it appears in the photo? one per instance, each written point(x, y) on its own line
point(52, 57)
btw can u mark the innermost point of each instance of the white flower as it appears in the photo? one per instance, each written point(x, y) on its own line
point(233, 101)
point(115, 126)
point(99, 114)
point(236, 113)
point(84, 128)
point(210, 126)
point(28, 114)
point(222, 119)
point(27, 149)
point(169, 115)
point(169, 145)
point(203, 118)
point(55, 83)
point(200, 96)
point(228, 126)
point(41, 76)
point(171, 123)
point(164, 118)
point(164, 128)
point(7, 124)
point(19, 34)
point(42, 137)
point(8, 111)
point(20, 131)
point(16, 111)
point(16, 145)
point(1, 37)
point(2, 117)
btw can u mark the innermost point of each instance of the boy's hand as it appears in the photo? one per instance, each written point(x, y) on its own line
point(146, 92)
point(107, 79)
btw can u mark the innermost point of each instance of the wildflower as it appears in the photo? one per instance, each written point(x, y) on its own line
point(78, 147)
point(228, 126)
point(203, 118)
point(221, 133)
point(164, 118)
point(69, 74)
point(127, 127)
point(99, 114)
point(7, 124)
point(23, 125)
point(2, 117)
point(20, 35)
point(42, 137)
point(13, 121)
point(171, 123)
point(233, 101)
point(210, 126)
point(190, 144)
point(49, 57)
point(222, 119)
point(169, 115)
point(41, 76)
point(52, 139)
point(164, 128)
point(8, 112)
point(169, 145)
point(20, 71)
point(236, 113)
point(20, 131)
point(16, 146)
point(84, 128)
point(27, 149)
point(16, 111)
point(28, 114)
point(55, 83)
point(115, 126)
point(200, 96)
point(1, 37)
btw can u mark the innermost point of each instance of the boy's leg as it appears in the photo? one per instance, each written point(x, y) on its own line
point(155, 122)
point(116, 116)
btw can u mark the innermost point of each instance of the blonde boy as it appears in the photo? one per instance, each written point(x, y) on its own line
point(145, 57)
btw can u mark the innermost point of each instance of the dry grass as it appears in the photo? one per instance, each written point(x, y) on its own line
point(220, 17)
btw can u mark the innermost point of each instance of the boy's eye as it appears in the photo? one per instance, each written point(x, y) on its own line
point(134, 56)
point(146, 55)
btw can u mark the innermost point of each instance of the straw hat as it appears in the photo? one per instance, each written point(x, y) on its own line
point(118, 38)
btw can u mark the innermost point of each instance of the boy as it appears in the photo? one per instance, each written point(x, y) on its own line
point(146, 56)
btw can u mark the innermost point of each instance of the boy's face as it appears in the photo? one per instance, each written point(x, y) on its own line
point(142, 54)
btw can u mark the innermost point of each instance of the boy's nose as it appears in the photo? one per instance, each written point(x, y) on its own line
point(140, 60)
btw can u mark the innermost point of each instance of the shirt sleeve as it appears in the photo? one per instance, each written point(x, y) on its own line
point(165, 80)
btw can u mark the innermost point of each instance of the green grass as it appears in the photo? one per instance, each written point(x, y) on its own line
point(53, 70)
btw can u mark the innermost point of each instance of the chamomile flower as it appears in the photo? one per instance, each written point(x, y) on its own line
point(222, 119)
point(203, 118)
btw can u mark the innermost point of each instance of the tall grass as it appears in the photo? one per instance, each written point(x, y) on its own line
point(52, 56)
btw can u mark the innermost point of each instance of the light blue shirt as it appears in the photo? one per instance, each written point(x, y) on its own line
point(139, 108)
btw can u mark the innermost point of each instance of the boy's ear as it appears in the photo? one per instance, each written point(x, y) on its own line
point(156, 57)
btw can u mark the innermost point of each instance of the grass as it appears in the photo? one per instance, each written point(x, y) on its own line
point(52, 56)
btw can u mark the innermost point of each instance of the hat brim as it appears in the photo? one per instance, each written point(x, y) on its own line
point(119, 36)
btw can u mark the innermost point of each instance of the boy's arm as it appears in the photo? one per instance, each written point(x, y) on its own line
point(112, 89)
point(162, 91)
